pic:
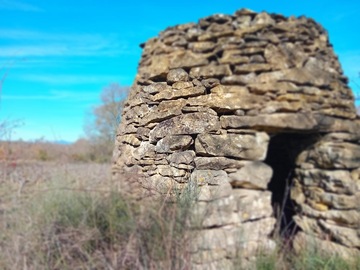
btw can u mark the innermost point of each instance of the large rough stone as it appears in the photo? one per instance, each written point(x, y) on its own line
point(155, 88)
point(191, 123)
point(217, 213)
point(274, 122)
point(163, 111)
point(159, 67)
point(332, 124)
point(169, 171)
point(254, 67)
point(335, 155)
point(228, 237)
point(249, 30)
point(210, 177)
point(186, 59)
point(239, 79)
point(284, 106)
point(129, 139)
point(333, 201)
point(184, 157)
point(182, 85)
point(286, 55)
point(210, 71)
point(300, 76)
point(263, 18)
point(172, 143)
point(273, 87)
point(144, 150)
point(176, 75)
point(314, 64)
point(346, 236)
point(253, 204)
point(202, 47)
point(158, 184)
point(217, 163)
point(253, 147)
point(233, 57)
point(209, 193)
point(342, 217)
point(222, 90)
point(256, 230)
point(335, 181)
point(254, 175)
point(173, 93)
point(230, 101)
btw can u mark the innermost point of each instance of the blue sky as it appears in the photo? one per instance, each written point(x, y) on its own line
point(60, 54)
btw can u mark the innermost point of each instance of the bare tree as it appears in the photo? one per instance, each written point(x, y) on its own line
point(101, 126)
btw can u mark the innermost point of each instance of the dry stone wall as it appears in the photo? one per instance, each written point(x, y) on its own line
point(246, 106)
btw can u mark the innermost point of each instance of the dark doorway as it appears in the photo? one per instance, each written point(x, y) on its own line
point(282, 153)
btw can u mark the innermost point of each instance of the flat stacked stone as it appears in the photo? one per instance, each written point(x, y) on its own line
point(205, 103)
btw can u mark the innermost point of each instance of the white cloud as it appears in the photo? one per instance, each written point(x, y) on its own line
point(18, 5)
point(71, 79)
point(24, 62)
point(23, 43)
point(63, 50)
point(64, 95)
point(21, 34)
point(24, 51)
point(28, 97)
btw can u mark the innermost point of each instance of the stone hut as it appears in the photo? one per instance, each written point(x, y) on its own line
point(254, 109)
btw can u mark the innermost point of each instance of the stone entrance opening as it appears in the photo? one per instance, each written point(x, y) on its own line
point(282, 154)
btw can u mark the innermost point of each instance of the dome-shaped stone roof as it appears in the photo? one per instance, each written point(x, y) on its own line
point(251, 107)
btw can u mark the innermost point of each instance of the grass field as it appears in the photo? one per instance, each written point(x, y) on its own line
point(72, 216)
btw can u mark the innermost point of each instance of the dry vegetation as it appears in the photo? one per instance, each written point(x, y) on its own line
point(67, 215)
point(82, 150)
point(71, 216)
point(59, 209)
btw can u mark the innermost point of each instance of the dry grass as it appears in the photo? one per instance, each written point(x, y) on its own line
point(33, 198)
point(71, 216)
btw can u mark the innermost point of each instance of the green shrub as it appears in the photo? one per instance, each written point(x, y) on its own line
point(316, 261)
point(43, 155)
point(72, 225)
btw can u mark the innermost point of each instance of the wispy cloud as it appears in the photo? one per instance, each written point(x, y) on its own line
point(60, 50)
point(21, 34)
point(343, 15)
point(56, 95)
point(18, 5)
point(42, 62)
point(40, 44)
point(71, 79)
